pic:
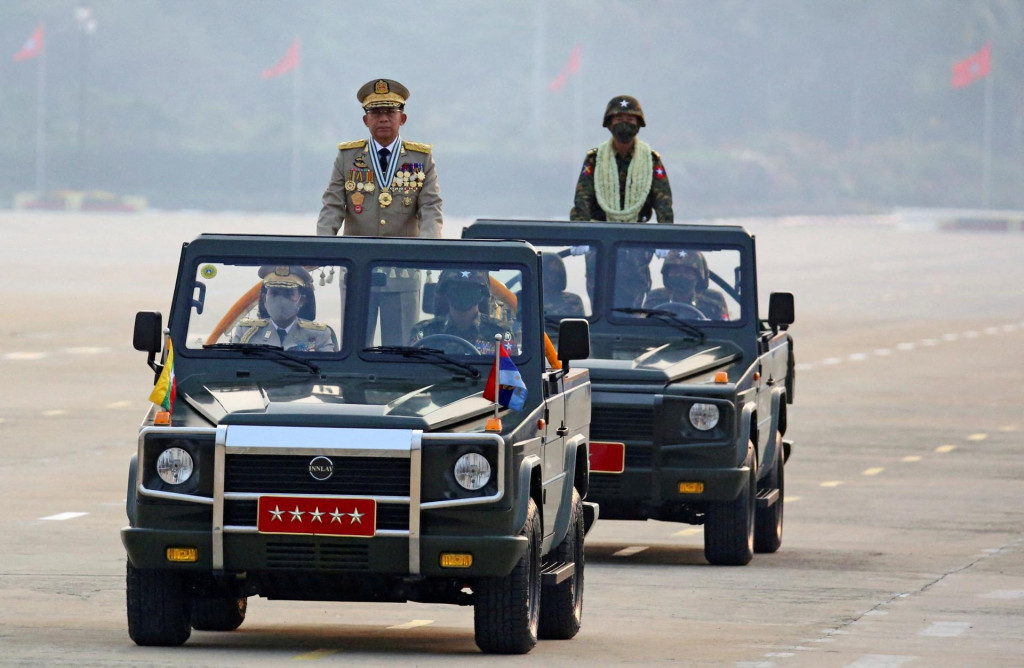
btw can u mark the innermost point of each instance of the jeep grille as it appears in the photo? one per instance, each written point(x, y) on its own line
point(289, 474)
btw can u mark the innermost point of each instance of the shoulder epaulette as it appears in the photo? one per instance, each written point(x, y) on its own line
point(657, 156)
point(592, 151)
point(416, 146)
point(253, 322)
point(312, 324)
point(345, 145)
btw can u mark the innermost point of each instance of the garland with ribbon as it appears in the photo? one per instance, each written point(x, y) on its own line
point(638, 182)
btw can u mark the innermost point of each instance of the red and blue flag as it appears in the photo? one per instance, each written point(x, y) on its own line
point(511, 388)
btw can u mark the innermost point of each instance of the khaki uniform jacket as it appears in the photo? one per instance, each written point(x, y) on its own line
point(307, 335)
point(413, 211)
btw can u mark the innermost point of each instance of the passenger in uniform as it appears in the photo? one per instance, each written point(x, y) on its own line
point(461, 305)
point(623, 180)
point(685, 276)
point(286, 314)
point(556, 300)
point(384, 186)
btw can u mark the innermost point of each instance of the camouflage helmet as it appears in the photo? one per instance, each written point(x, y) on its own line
point(624, 104)
point(451, 276)
point(692, 259)
point(451, 280)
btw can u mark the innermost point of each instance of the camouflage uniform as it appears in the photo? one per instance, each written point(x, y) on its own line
point(480, 332)
point(563, 303)
point(556, 300)
point(708, 301)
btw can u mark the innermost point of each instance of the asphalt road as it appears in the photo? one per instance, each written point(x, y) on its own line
point(904, 535)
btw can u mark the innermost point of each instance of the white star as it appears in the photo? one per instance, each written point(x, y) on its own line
point(465, 274)
point(336, 516)
point(296, 514)
point(315, 515)
point(276, 512)
point(623, 103)
point(357, 517)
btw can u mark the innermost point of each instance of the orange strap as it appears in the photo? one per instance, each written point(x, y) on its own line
point(550, 353)
point(243, 304)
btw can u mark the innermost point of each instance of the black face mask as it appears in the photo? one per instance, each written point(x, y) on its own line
point(464, 297)
point(679, 284)
point(624, 132)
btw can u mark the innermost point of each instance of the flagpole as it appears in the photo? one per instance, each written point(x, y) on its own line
point(41, 122)
point(296, 135)
point(986, 157)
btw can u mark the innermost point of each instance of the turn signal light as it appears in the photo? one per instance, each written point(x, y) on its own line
point(721, 377)
point(182, 554)
point(691, 488)
point(456, 560)
point(163, 417)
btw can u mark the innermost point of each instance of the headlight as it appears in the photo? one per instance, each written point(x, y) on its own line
point(174, 465)
point(704, 416)
point(472, 471)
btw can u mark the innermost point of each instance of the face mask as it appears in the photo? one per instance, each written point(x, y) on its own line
point(680, 284)
point(464, 297)
point(282, 309)
point(624, 132)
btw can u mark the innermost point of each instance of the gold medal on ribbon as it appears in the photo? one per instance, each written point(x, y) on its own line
point(369, 187)
point(384, 198)
point(350, 185)
point(357, 199)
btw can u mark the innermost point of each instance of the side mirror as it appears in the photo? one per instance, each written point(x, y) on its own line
point(573, 340)
point(780, 310)
point(148, 332)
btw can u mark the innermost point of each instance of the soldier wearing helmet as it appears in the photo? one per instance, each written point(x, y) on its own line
point(556, 300)
point(460, 308)
point(623, 179)
point(286, 313)
point(685, 276)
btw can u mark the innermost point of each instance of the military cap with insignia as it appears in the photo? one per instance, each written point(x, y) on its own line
point(382, 93)
point(285, 277)
point(624, 104)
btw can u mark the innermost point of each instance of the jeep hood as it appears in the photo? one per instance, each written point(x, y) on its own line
point(666, 364)
point(359, 404)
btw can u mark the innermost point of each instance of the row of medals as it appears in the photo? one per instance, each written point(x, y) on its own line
point(405, 181)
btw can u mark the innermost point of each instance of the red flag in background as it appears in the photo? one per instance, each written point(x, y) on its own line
point(973, 67)
point(33, 45)
point(572, 66)
point(288, 63)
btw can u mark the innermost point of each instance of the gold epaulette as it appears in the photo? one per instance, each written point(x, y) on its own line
point(253, 322)
point(345, 145)
point(592, 151)
point(416, 146)
point(312, 324)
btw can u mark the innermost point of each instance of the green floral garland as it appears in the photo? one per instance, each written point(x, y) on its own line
point(638, 182)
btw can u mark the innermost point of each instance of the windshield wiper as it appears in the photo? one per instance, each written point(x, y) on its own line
point(666, 316)
point(432, 355)
point(278, 352)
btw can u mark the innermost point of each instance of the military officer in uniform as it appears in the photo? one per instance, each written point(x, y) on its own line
point(460, 307)
point(685, 276)
point(557, 301)
point(286, 294)
point(384, 186)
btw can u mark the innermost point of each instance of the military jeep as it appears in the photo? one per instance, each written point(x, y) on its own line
point(691, 386)
point(313, 444)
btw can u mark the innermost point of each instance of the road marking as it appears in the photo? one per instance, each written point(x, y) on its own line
point(971, 335)
point(25, 356)
point(1005, 428)
point(883, 352)
point(857, 357)
point(413, 624)
point(629, 551)
point(689, 532)
point(119, 404)
point(1009, 328)
point(315, 655)
point(63, 516)
point(950, 337)
point(906, 346)
point(53, 412)
point(991, 330)
point(872, 471)
point(1004, 593)
point(911, 458)
point(929, 342)
point(880, 661)
point(832, 483)
point(831, 361)
point(945, 629)
point(804, 366)
point(791, 499)
point(945, 448)
point(86, 351)
point(977, 437)
point(2, 420)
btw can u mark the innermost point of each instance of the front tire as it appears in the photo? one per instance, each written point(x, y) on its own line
point(768, 522)
point(729, 525)
point(506, 610)
point(158, 607)
point(224, 613)
point(561, 605)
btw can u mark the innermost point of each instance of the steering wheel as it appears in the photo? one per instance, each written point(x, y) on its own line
point(440, 341)
point(683, 310)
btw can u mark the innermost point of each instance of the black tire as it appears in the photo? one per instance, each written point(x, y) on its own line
point(768, 521)
point(506, 610)
point(218, 613)
point(561, 605)
point(729, 525)
point(158, 607)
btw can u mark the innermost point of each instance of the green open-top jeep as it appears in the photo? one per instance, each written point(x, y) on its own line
point(325, 435)
point(691, 386)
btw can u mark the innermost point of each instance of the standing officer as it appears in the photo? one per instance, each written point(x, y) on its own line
point(384, 187)
point(624, 181)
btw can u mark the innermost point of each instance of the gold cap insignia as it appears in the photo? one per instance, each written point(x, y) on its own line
point(381, 87)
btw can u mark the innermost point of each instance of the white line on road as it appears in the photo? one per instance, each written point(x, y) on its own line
point(24, 356)
point(950, 337)
point(86, 350)
point(880, 661)
point(63, 516)
point(832, 483)
point(53, 412)
point(1004, 594)
point(977, 437)
point(945, 629)
point(857, 357)
point(119, 404)
point(629, 551)
point(911, 458)
point(907, 345)
point(872, 471)
point(413, 624)
point(883, 352)
point(689, 532)
point(831, 361)
point(929, 342)
point(945, 448)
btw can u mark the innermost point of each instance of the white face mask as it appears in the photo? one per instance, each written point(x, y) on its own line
point(282, 309)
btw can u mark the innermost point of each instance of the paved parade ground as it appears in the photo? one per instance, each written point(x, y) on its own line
point(904, 514)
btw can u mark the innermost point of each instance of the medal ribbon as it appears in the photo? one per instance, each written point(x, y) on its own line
point(385, 181)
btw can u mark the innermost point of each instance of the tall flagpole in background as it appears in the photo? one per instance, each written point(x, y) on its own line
point(986, 155)
point(296, 180)
point(41, 123)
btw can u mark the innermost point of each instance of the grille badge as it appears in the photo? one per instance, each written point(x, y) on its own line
point(321, 468)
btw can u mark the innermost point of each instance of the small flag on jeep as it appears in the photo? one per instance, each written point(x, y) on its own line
point(511, 388)
point(166, 385)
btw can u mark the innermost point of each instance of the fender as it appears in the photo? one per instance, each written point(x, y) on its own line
point(743, 438)
point(131, 499)
point(526, 468)
point(561, 527)
point(771, 446)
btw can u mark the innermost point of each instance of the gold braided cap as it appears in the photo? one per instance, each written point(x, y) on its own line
point(382, 93)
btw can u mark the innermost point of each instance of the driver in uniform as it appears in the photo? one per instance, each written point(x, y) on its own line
point(286, 292)
point(461, 301)
point(685, 276)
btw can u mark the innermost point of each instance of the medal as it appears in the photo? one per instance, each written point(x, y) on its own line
point(384, 199)
point(350, 185)
point(360, 186)
point(369, 187)
point(357, 199)
point(357, 208)
point(407, 201)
